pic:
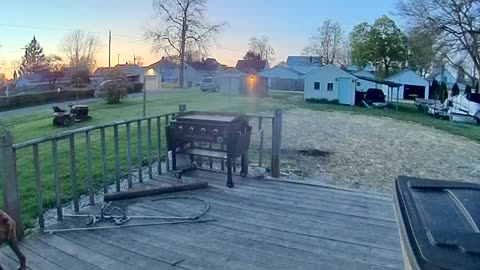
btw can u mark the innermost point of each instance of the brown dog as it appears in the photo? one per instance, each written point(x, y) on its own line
point(8, 235)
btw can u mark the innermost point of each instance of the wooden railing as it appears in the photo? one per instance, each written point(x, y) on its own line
point(156, 151)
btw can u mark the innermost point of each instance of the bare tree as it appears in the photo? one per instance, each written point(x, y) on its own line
point(344, 54)
point(80, 49)
point(261, 46)
point(326, 42)
point(182, 24)
point(140, 60)
point(457, 23)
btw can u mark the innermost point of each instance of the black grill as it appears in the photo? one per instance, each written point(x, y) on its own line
point(228, 131)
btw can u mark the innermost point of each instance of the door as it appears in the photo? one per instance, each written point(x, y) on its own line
point(344, 91)
point(151, 82)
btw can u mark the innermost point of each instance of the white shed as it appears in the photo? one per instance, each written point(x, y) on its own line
point(414, 86)
point(230, 82)
point(330, 83)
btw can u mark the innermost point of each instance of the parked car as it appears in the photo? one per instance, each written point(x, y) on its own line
point(208, 84)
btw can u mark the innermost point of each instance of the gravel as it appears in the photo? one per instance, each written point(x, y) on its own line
point(370, 152)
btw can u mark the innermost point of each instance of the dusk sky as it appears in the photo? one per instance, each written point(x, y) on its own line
point(287, 23)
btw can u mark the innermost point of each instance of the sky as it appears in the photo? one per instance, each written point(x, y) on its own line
point(288, 24)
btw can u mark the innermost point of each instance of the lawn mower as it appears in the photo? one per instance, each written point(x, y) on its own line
point(78, 113)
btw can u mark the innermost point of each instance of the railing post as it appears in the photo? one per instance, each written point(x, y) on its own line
point(182, 107)
point(11, 195)
point(276, 143)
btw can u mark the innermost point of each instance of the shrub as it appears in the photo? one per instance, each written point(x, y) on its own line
point(115, 86)
point(25, 100)
point(468, 89)
point(455, 90)
point(135, 88)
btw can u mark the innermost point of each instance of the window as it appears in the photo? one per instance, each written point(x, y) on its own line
point(316, 85)
point(358, 83)
point(445, 79)
point(329, 86)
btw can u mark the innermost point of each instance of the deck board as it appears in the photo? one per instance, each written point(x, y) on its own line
point(259, 224)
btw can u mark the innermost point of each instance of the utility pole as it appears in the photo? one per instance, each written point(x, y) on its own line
point(134, 59)
point(109, 47)
point(118, 59)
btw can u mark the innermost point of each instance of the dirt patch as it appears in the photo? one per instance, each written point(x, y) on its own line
point(370, 152)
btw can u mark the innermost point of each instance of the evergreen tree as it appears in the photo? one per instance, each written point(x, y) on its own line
point(15, 74)
point(34, 59)
point(443, 91)
point(468, 89)
point(455, 90)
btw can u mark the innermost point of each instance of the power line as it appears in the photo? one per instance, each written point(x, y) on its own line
point(62, 29)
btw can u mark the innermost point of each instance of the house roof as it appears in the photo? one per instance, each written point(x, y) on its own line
point(380, 81)
point(163, 62)
point(330, 66)
point(232, 72)
point(351, 67)
point(303, 60)
point(432, 75)
point(246, 65)
point(207, 64)
point(364, 73)
point(303, 69)
point(284, 67)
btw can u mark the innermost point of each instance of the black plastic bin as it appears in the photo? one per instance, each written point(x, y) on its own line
point(439, 223)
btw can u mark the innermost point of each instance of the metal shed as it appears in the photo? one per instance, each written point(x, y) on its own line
point(235, 82)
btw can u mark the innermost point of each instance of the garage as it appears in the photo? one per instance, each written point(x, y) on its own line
point(414, 86)
point(152, 80)
point(413, 91)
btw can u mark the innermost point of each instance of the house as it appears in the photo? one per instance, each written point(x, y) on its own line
point(195, 71)
point(304, 64)
point(364, 73)
point(33, 80)
point(43, 80)
point(283, 72)
point(168, 70)
point(246, 65)
point(304, 61)
point(413, 85)
point(447, 77)
point(284, 78)
point(329, 83)
point(136, 76)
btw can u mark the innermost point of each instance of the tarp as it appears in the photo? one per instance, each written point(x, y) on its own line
point(462, 105)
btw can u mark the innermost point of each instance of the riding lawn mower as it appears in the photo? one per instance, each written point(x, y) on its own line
point(78, 113)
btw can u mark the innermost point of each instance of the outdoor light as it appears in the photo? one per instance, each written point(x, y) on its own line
point(252, 79)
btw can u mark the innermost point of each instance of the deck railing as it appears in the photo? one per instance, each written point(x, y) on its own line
point(150, 151)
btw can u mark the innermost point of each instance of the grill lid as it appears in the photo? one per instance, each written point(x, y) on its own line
point(217, 117)
point(442, 221)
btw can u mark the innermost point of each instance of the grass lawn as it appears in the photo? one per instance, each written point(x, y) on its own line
point(31, 124)
point(406, 112)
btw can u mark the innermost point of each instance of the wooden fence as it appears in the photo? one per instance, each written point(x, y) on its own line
point(286, 84)
point(156, 150)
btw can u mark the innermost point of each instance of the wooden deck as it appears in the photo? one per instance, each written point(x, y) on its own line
point(260, 224)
